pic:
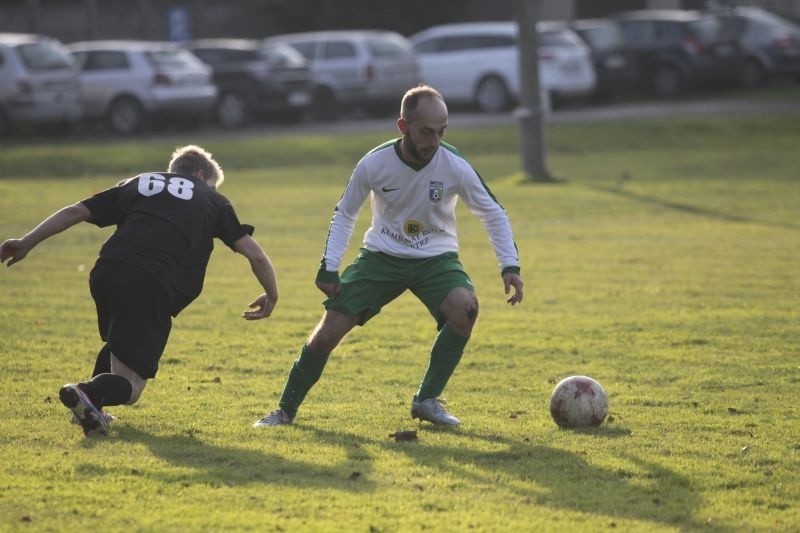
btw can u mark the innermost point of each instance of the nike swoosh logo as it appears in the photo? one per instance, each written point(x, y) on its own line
point(384, 189)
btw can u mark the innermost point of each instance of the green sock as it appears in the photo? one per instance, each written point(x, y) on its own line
point(305, 371)
point(445, 355)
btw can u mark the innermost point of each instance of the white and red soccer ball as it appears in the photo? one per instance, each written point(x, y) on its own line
point(578, 401)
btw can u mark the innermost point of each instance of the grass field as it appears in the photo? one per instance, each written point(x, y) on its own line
point(665, 264)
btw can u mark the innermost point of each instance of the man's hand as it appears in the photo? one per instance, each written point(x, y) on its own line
point(511, 279)
point(330, 289)
point(262, 308)
point(14, 250)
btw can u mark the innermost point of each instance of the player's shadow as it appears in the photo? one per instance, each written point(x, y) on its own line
point(691, 209)
point(203, 463)
point(544, 476)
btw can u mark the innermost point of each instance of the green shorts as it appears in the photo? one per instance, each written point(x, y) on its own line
point(375, 279)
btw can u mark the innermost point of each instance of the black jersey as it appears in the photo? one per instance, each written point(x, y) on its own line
point(166, 224)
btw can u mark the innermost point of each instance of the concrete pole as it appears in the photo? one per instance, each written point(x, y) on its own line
point(529, 112)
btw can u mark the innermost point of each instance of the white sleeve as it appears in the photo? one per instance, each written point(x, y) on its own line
point(493, 216)
point(344, 218)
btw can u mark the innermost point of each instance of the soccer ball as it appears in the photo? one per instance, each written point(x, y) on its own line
point(578, 401)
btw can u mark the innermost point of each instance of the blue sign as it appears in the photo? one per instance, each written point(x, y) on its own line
point(179, 24)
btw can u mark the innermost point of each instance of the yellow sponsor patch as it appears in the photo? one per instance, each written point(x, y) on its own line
point(412, 228)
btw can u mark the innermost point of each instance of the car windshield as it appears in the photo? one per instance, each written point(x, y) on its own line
point(169, 58)
point(603, 38)
point(220, 56)
point(388, 47)
point(283, 55)
point(768, 18)
point(44, 55)
point(306, 48)
point(707, 29)
point(558, 38)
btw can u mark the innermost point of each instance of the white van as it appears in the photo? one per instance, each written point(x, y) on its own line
point(477, 63)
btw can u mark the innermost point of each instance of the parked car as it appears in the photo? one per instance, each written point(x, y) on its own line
point(477, 63)
point(676, 50)
point(614, 61)
point(255, 81)
point(367, 69)
point(38, 83)
point(771, 43)
point(128, 83)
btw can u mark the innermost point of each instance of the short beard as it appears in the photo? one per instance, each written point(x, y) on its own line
point(414, 151)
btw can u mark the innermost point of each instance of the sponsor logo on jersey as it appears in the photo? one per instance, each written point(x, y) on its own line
point(412, 228)
point(436, 191)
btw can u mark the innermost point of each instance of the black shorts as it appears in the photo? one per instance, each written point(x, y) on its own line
point(132, 314)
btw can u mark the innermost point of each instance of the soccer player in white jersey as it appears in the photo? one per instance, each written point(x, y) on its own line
point(413, 183)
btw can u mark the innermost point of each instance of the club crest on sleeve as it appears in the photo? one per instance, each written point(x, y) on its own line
point(436, 191)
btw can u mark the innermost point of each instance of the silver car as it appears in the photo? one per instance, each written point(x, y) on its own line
point(477, 63)
point(38, 83)
point(363, 69)
point(127, 83)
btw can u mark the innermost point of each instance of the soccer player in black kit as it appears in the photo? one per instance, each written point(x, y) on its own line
point(150, 269)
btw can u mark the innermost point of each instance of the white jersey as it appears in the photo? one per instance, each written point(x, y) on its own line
point(413, 209)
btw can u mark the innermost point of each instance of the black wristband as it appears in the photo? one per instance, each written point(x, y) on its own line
point(323, 276)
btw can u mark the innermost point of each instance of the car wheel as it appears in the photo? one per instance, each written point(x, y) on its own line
point(753, 74)
point(324, 104)
point(492, 95)
point(125, 115)
point(231, 111)
point(667, 81)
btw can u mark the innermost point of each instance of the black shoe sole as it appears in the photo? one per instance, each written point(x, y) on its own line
point(87, 419)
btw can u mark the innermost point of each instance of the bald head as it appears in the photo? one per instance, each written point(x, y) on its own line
point(423, 120)
point(422, 99)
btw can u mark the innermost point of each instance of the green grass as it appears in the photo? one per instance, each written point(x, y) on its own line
point(664, 264)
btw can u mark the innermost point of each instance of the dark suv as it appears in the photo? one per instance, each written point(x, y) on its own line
point(253, 80)
point(678, 49)
point(614, 61)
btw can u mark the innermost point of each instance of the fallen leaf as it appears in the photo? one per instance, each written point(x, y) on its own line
point(405, 435)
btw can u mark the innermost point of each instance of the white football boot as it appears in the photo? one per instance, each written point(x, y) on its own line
point(433, 410)
point(279, 417)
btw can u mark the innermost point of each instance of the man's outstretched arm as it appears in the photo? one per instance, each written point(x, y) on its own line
point(15, 250)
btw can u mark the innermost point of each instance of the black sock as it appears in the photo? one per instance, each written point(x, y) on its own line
point(103, 363)
point(108, 389)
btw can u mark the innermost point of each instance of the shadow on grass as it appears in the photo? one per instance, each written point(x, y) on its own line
point(690, 209)
point(555, 478)
point(213, 465)
point(537, 475)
